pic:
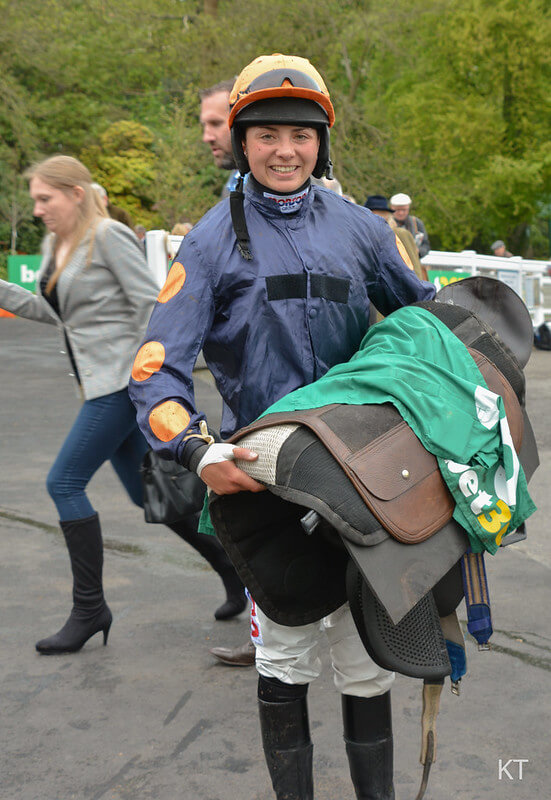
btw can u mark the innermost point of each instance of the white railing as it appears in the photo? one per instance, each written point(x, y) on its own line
point(528, 277)
point(160, 248)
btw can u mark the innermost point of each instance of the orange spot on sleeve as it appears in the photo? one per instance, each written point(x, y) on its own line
point(149, 360)
point(168, 420)
point(174, 282)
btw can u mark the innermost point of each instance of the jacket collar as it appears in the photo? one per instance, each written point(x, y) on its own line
point(276, 204)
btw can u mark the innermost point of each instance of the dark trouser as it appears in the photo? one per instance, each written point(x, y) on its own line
point(106, 430)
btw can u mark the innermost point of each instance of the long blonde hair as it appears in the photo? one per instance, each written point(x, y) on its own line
point(64, 173)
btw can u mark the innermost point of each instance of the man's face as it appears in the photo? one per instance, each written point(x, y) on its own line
point(214, 115)
point(400, 212)
point(499, 251)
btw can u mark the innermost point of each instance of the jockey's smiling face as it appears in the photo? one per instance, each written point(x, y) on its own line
point(281, 157)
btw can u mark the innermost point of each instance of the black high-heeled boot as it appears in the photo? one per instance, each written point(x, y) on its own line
point(368, 736)
point(90, 613)
point(211, 550)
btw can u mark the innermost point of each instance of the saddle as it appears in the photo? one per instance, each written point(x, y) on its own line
point(374, 487)
point(357, 509)
point(397, 479)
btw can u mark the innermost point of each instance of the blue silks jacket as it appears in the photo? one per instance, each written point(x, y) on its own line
point(270, 325)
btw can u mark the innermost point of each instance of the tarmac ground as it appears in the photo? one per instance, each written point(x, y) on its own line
point(152, 715)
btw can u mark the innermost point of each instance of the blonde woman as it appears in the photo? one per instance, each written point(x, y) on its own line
point(94, 284)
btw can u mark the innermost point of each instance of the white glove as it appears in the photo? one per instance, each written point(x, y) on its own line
point(216, 453)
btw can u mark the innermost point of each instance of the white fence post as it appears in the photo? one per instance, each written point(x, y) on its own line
point(531, 279)
point(160, 249)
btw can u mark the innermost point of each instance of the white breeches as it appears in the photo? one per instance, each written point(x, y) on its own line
point(292, 654)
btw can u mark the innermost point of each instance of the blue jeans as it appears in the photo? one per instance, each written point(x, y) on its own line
point(105, 429)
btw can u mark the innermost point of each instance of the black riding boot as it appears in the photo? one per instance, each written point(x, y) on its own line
point(90, 613)
point(211, 550)
point(368, 736)
point(286, 741)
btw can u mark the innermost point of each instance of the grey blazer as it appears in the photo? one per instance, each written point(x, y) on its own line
point(105, 307)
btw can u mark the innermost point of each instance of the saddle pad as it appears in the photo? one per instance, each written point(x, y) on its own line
point(414, 647)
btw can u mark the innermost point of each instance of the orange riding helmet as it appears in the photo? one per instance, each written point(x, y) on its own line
point(284, 90)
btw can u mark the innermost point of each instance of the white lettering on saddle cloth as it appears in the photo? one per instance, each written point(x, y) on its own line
point(491, 508)
point(289, 202)
point(497, 514)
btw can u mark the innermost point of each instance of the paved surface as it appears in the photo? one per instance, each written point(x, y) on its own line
point(152, 715)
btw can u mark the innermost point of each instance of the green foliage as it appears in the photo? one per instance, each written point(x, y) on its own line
point(18, 138)
point(188, 182)
point(447, 100)
point(470, 117)
point(124, 163)
point(3, 266)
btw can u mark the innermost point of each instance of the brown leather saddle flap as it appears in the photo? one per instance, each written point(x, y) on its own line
point(401, 483)
point(397, 478)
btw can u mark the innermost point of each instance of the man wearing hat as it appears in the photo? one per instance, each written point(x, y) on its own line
point(378, 204)
point(498, 249)
point(400, 204)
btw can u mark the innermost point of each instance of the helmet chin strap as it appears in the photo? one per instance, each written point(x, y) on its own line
point(239, 222)
point(237, 212)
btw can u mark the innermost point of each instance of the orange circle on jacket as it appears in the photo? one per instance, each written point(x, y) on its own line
point(168, 420)
point(149, 360)
point(174, 282)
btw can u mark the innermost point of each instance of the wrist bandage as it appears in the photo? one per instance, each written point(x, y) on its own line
point(216, 454)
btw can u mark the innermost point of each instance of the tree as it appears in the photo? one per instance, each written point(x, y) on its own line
point(469, 117)
point(124, 163)
point(445, 99)
point(17, 147)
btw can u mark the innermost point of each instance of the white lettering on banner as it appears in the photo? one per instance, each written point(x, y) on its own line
point(468, 484)
point(27, 275)
point(482, 500)
point(507, 490)
point(503, 769)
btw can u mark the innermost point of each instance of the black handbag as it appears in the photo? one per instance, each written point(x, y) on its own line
point(170, 491)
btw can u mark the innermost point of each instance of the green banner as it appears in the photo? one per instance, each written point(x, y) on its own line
point(441, 277)
point(23, 270)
